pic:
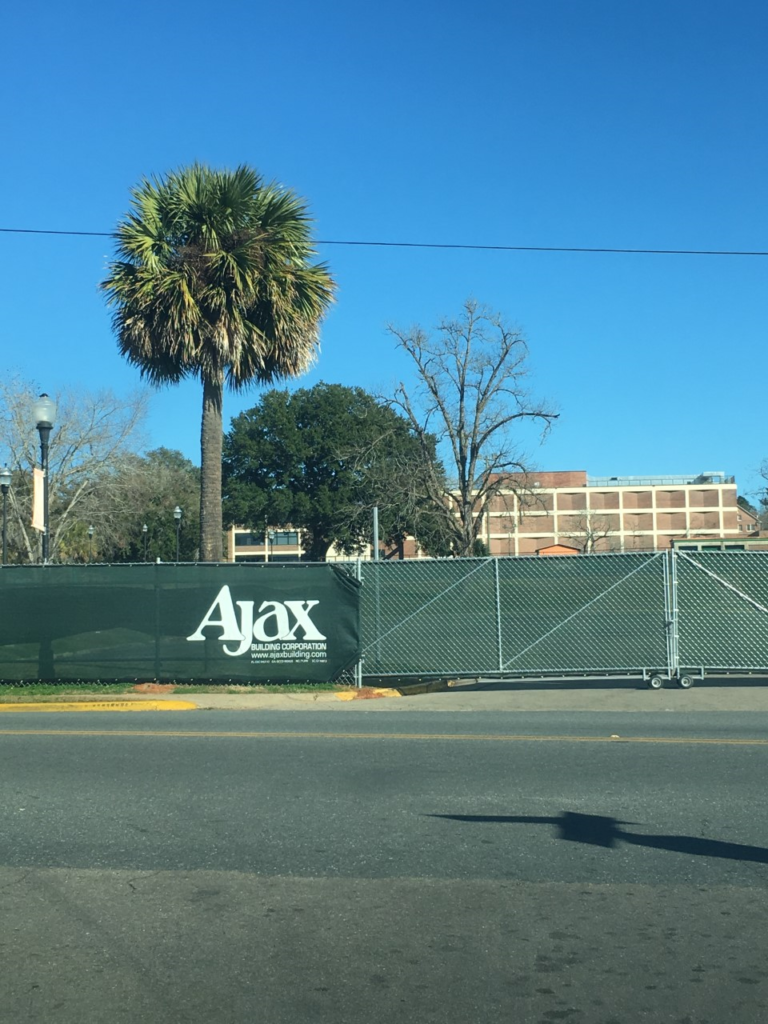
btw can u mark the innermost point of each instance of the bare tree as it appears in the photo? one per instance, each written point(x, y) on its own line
point(471, 396)
point(593, 532)
point(763, 497)
point(93, 437)
point(396, 479)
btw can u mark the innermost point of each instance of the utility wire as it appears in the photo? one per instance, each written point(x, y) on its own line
point(446, 245)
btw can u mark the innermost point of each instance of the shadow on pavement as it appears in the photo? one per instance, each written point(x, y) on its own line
point(599, 830)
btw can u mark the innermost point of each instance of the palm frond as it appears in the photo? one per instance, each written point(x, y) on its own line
point(215, 273)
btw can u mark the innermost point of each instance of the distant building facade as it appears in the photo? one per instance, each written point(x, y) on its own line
point(631, 513)
point(568, 512)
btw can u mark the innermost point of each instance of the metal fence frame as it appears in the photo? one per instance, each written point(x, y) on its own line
point(645, 621)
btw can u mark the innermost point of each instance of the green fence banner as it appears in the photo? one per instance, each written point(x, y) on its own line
point(186, 623)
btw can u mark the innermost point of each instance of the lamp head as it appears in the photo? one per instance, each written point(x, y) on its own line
point(44, 411)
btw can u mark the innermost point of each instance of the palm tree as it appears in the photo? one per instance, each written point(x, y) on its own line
point(213, 277)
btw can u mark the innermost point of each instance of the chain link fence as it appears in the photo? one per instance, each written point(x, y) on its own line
point(656, 614)
point(515, 616)
point(721, 610)
point(429, 617)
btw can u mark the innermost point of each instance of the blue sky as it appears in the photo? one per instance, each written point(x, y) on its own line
point(557, 123)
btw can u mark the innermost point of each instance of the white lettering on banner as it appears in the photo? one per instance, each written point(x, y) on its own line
point(300, 610)
point(272, 625)
point(281, 624)
point(228, 618)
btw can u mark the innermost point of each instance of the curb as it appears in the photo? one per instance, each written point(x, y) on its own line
point(436, 686)
point(103, 705)
point(367, 693)
point(411, 690)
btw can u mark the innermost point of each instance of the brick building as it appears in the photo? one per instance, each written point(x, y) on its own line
point(570, 512)
point(631, 513)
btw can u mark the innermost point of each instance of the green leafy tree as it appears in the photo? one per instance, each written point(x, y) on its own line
point(319, 460)
point(214, 278)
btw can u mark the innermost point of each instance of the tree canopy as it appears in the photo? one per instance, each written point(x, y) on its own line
point(214, 278)
point(319, 460)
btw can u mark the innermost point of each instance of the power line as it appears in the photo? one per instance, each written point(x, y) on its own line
point(551, 248)
point(447, 245)
point(48, 231)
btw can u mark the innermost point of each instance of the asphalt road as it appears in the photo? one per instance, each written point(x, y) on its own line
point(370, 867)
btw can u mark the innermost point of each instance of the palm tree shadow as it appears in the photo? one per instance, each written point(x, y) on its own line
point(599, 830)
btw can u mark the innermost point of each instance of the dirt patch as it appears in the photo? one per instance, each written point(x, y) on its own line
point(154, 688)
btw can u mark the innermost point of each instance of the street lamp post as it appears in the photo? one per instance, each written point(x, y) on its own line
point(44, 412)
point(90, 543)
point(177, 517)
point(144, 531)
point(5, 483)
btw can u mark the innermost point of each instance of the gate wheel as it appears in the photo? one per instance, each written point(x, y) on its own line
point(685, 682)
point(656, 682)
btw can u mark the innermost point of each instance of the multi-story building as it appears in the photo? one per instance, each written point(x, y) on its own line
point(568, 513)
point(575, 511)
point(244, 545)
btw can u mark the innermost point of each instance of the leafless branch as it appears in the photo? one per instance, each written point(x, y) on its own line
point(471, 395)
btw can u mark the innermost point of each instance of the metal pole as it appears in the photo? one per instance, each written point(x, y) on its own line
point(375, 533)
point(90, 544)
point(498, 616)
point(5, 524)
point(44, 412)
point(144, 530)
point(674, 614)
point(359, 665)
point(45, 432)
point(377, 570)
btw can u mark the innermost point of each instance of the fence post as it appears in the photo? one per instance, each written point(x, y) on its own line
point(670, 613)
point(499, 647)
point(675, 615)
point(359, 665)
point(158, 624)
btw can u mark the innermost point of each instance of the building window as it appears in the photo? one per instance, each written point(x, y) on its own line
point(285, 538)
point(277, 538)
point(249, 540)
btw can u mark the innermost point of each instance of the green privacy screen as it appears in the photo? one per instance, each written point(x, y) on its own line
point(239, 623)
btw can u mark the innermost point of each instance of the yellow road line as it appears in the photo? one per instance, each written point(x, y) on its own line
point(105, 705)
point(444, 737)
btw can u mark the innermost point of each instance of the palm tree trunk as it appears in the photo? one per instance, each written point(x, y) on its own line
point(211, 438)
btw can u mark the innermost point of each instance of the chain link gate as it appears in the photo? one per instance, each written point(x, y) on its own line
point(721, 611)
point(426, 617)
point(599, 615)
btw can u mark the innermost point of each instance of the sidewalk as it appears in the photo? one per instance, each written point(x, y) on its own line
point(711, 695)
